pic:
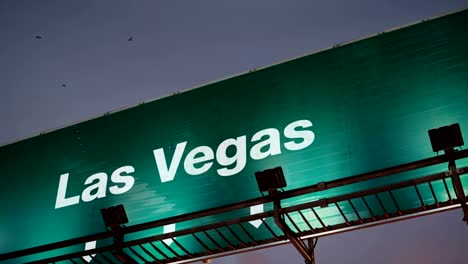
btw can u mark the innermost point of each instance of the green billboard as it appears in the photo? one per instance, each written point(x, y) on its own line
point(347, 110)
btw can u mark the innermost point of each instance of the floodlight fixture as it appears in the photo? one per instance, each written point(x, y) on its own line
point(270, 180)
point(446, 137)
point(114, 216)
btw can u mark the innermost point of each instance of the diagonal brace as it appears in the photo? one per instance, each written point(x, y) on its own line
point(457, 185)
point(307, 251)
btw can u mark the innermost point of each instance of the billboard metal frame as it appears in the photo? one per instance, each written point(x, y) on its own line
point(212, 239)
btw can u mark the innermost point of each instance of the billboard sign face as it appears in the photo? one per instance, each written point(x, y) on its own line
point(343, 111)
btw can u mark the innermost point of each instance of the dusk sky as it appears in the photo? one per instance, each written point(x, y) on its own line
point(83, 65)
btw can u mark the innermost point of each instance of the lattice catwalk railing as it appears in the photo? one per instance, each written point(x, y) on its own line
point(307, 217)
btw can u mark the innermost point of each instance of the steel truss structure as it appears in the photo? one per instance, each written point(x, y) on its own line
point(292, 223)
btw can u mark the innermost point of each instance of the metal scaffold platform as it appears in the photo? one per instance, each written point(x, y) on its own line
point(306, 219)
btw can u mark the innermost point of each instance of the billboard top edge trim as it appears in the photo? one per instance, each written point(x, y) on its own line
point(337, 45)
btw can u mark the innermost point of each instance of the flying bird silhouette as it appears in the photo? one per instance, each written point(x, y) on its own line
point(130, 39)
point(64, 85)
point(38, 37)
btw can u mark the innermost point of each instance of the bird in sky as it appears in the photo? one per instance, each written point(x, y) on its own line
point(130, 39)
point(64, 85)
point(38, 37)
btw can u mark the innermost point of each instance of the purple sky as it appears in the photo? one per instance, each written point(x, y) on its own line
point(183, 44)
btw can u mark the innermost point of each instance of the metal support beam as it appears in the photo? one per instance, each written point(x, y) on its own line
point(311, 242)
point(307, 251)
point(126, 253)
point(239, 205)
point(118, 252)
point(457, 185)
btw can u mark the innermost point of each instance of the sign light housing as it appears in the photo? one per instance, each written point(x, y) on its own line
point(446, 137)
point(114, 216)
point(271, 179)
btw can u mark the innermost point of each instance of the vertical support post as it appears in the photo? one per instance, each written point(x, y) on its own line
point(457, 185)
point(311, 243)
point(118, 246)
point(306, 252)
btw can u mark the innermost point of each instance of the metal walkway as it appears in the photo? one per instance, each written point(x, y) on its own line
point(310, 218)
